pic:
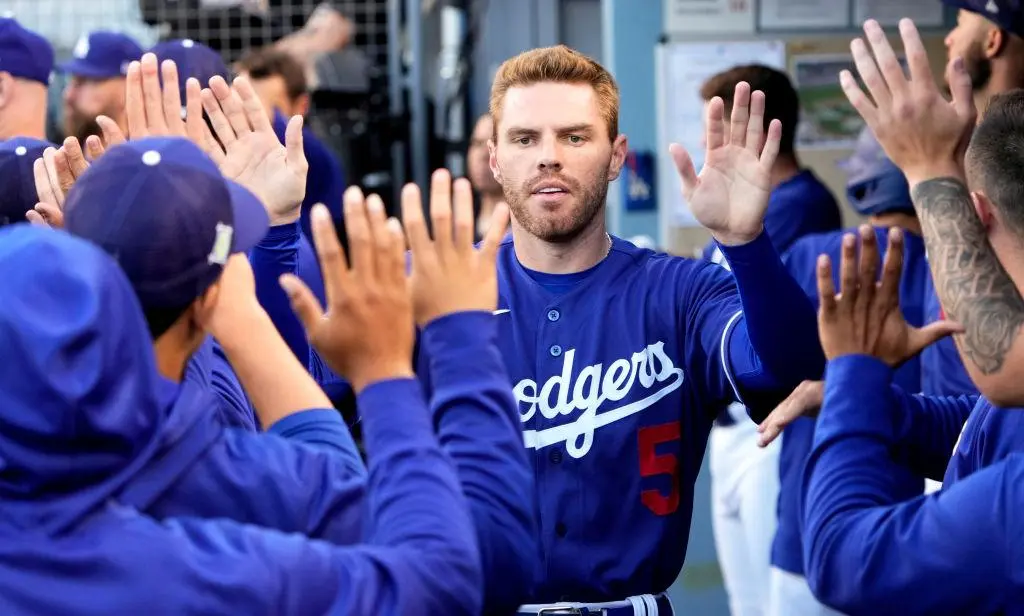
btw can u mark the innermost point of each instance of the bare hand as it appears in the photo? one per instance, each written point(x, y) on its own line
point(865, 317)
point(235, 305)
point(731, 194)
point(252, 155)
point(805, 401)
point(448, 274)
point(924, 135)
point(367, 333)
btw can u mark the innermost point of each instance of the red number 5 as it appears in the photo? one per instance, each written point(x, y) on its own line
point(653, 464)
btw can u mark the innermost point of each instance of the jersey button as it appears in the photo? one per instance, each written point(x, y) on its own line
point(560, 529)
point(555, 350)
point(553, 315)
point(555, 456)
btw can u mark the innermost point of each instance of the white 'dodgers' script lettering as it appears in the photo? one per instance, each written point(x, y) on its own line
point(594, 385)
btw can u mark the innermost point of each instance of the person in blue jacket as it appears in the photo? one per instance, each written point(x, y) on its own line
point(955, 551)
point(86, 412)
point(877, 189)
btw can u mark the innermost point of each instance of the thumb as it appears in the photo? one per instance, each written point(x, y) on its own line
point(112, 133)
point(36, 218)
point(49, 213)
point(933, 332)
point(295, 155)
point(304, 304)
point(684, 165)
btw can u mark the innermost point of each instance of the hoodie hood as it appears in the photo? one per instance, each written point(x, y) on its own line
point(83, 409)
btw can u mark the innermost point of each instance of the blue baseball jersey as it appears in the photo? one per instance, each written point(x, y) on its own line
point(618, 372)
point(953, 552)
point(800, 260)
point(942, 370)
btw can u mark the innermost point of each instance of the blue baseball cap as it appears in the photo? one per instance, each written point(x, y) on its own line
point(102, 55)
point(193, 59)
point(162, 208)
point(23, 53)
point(1007, 14)
point(874, 185)
point(17, 182)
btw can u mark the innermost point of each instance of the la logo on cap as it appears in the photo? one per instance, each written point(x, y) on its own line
point(82, 47)
point(221, 244)
point(992, 7)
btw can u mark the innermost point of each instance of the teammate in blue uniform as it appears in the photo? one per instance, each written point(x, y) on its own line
point(954, 551)
point(745, 477)
point(84, 413)
point(877, 189)
point(619, 356)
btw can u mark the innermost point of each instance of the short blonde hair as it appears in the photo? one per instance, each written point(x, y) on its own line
point(558, 64)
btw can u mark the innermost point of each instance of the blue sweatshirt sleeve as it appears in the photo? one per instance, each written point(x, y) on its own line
point(420, 558)
point(774, 346)
point(274, 255)
point(324, 429)
point(927, 428)
point(950, 552)
point(282, 484)
point(479, 427)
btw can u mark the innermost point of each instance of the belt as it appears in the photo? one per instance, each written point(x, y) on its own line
point(641, 605)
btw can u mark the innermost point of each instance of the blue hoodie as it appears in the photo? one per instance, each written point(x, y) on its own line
point(85, 415)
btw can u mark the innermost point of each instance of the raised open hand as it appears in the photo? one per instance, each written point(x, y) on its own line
point(252, 155)
point(730, 195)
point(367, 333)
point(865, 317)
point(924, 134)
point(55, 173)
point(153, 109)
point(449, 274)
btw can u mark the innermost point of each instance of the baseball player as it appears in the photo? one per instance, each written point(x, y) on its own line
point(620, 357)
point(970, 233)
point(988, 37)
point(745, 478)
point(877, 189)
point(85, 413)
point(96, 81)
point(26, 61)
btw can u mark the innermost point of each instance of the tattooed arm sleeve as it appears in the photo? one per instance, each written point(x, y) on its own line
point(974, 288)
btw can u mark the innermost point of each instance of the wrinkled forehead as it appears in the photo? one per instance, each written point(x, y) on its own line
point(550, 106)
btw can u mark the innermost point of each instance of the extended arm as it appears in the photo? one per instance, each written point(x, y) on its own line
point(949, 552)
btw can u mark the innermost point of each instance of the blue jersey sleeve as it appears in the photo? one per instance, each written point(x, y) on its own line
point(951, 552)
point(282, 484)
point(774, 345)
point(927, 428)
point(322, 428)
point(209, 369)
point(478, 424)
point(277, 254)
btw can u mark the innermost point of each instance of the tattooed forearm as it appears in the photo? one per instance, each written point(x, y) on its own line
point(974, 288)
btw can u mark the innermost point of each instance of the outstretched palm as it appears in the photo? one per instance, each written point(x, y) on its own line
point(730, 195)
point(253, 156)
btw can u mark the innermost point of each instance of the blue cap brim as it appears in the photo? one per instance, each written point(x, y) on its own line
point(79, 68)
point(251, 219)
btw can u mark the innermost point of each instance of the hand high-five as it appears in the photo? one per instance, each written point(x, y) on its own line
point(367, 333)
point(55, 173)
point(252, 155)
point(730, 195)
point(448, 273)
point(865, 317)
point(924, 134)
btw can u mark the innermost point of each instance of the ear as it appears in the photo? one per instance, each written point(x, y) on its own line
point(995, 41)
point(986, 211)
point(205, 304)
point(620, 147)
point(492, 160)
